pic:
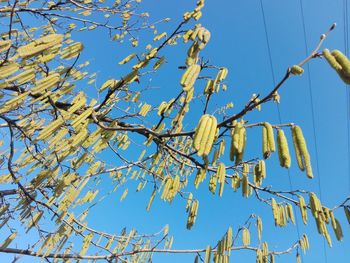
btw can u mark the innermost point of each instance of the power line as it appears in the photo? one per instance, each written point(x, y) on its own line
point(278, 107)
point(312, 115)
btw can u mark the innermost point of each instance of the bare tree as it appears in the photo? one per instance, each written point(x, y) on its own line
point(57, 136)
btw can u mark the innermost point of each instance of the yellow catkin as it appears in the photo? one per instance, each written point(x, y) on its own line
point(127, 59)
point(331, 60)
point(39, 45)
point(337, 230)
point(302, 153)
point(347, 213)
point(198, 135)
point(290, 213)
point(72, 51)
point(5, 45)
point(245, 237)
point(190, 76)
point(339, 62)
point(265, 144)
point(268, 140)
point(343, 61)
point(315, 204)
point(8, 240)
point(283, 150)
point(235, 182)
point(245, 186)
point(201, 174)
point(238, 143)
point(221, 173)
point(259, 227)
point(303, 209)
point(204, 35)
point(8, 69)
point(86, 243)
point(296, 70)
point(192, 214)
point(212, 183)
point(211, 137)
point(205, 135)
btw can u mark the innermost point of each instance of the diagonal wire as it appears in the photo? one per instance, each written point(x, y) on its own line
point(278, 106)
point(313, 116)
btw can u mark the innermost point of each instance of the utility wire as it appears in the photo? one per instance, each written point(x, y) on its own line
point(313, 116)
point(278, 106)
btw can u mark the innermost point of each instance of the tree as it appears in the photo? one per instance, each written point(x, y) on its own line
point(58, 135)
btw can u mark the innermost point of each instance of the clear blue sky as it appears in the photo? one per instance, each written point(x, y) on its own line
point(238, 42)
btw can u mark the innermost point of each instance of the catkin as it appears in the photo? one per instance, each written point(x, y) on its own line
point(343, 61)
point(202, 125)
point(338, 230)
point(245, 186)
point(39, 45)
point(339, 62)
point(259, 227)
point(220, 174)
point(8, 240)
point(301, 151)
point(190, 76)
point(246, 237)
point(283, 150)
point(296, 70)
point(259, 172)
point(303, 209)
point(268, 140)
point(205, 135)
point(207, 254)
point(235, 182)
point(315, 204)
point(347, 213)
point(238, 142)
point(212, 183)
point(8, 69)
point(5, 45)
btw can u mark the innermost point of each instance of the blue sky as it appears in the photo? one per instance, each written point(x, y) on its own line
point(238, 42)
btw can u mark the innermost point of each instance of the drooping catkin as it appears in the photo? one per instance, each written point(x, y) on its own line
point(303, 209)
point(270, 136)
point(200, 131)
point(205, 135)
point(259, 172)
point(268, 140)
point(259, 227)
point(337, 230)
point(190, 76)
point(245, 237)
point(212, 183)
point(331, 60)
point(207, 254)
point(283, 150)
point(245, 186)
point(265, 144)
point(211, 138)
point(235, 182)
point(343, 61)
point(220, 174)
point(339, 62)
point(238, 142)
point(301, 151)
